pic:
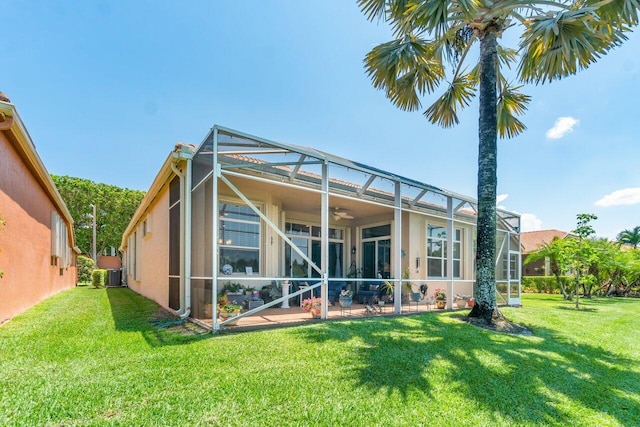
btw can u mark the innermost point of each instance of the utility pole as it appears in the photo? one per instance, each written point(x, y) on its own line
point(93, 248)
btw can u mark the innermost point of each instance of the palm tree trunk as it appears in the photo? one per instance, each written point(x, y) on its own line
point(485, 289)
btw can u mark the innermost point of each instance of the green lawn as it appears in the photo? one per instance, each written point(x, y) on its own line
point(92, 357)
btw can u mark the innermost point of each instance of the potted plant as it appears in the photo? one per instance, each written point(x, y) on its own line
point(407, 286)
point(461, 300)
point(232, 288)
point(441, 298)
point(345, 298)
point(312, 305)
point(386, 292)
point(229, 310)
point(208, 309)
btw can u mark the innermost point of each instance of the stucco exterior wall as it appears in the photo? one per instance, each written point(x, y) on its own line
point(153, 252)
point(25, 243)
point(109, 262)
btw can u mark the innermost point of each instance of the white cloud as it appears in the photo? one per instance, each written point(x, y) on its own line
point(530, 222)
point(501, 198)
point(562, 126)
point(626, 196)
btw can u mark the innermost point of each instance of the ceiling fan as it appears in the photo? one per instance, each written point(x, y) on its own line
point(340, 214)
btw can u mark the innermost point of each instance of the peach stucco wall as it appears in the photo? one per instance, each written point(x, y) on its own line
point(153, 252)
point(25, 242)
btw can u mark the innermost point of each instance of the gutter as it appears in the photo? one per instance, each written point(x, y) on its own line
point(10, 121)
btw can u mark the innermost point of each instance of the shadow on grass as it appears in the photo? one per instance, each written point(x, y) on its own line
point(581, 309)
point(135, 313)
point(526, 379)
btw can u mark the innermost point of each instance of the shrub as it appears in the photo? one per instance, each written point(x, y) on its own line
point(99, 278)
point(544, 284)
point(85, 267)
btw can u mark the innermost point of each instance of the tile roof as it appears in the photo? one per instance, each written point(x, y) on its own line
point(532, 240)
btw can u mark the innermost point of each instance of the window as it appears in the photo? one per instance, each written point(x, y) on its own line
point(146, 226)
point(60, 253)
point(437, 251)
point(134, 255)
point(239, 239)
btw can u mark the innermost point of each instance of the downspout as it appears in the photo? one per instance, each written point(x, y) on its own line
point(181, 311)
point(188, 153)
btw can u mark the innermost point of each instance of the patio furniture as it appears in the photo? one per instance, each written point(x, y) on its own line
point(367, 293)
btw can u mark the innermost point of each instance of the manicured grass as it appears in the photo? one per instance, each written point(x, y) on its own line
point(92, 357)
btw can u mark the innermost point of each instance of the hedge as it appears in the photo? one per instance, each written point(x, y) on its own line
point(544, 284)
point(99, 278)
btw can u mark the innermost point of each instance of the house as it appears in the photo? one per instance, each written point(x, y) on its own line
point(276, 213)
point(531, 241)
point(37, 245)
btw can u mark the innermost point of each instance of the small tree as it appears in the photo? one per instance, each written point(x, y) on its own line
point(582, 254)
point(85, 267)
point(555, 251)
point(626, 274)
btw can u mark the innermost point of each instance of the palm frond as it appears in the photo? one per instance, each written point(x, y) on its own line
point(405, 68)
point(507, 56)
point(620, 13)
point(565, 43)
point(373, 9)
point(444, 111)
point(511, 103)
point(429, 16)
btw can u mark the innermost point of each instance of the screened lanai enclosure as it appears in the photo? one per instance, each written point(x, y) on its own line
point(299, 222)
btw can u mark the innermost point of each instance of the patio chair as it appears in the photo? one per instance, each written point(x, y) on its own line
point(416, 297)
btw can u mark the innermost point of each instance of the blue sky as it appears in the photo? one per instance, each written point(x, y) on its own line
point(107, 88)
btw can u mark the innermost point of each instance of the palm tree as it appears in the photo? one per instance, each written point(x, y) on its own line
point(558, 38)
point(630, 237)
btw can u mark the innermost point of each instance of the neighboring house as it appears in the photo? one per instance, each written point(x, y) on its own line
point(532, 241)
point(37, 244)
point(280, 211)
point(108, 262)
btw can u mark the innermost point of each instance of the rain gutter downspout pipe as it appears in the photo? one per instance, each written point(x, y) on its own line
point(182, 310)
point(186, 152)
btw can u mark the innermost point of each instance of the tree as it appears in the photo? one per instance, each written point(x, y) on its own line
point(558, 39)
point(85, 268)
point(626, 276)
point(115, 208)
point(555, 251)
point(630, 237)
point(582, 254)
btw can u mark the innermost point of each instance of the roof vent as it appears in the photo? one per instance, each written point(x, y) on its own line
point(4, 97)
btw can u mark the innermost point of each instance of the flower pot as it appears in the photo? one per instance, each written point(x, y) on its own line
point(345, 301)
point(470, 303)
point(208, 310)
point(461, 303)
point(441, 303)
point(225, 316)
point(315, 312)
